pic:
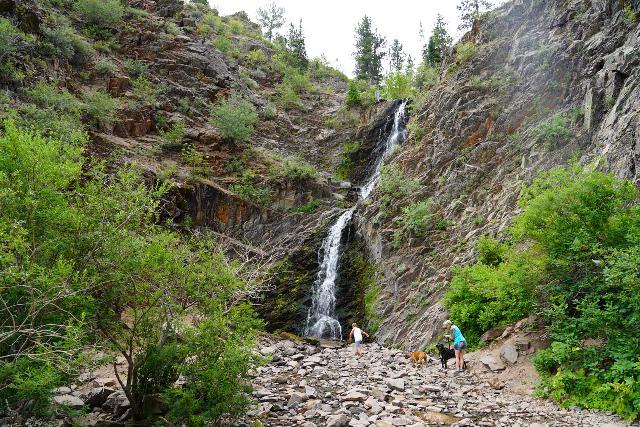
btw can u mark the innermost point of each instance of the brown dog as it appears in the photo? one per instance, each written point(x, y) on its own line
point(417, 357)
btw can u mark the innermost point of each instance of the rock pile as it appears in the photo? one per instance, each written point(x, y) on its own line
point(304, 385)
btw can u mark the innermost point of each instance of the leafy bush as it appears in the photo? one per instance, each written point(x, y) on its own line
point(144, 93)
point(308, 208)
point(106, 67)
point(397, 86)
point(10, 38)
point(247, 189)
point(629, 15)
point(353, 95)
point(425, 77)
point(235, 117)
point(553, 132)
point(102, 13)
point(256, 57)
point(67, 44)
point(86, 250)
point(176, 133)
point(135, 68)
point(223, 44)
point(288, 98)
point(465, 51)
point(295, 168)
point(393, 182)
point(50, 97)
point(209, 24)
point(574, 258)
point(414, 221)
point(100, 107)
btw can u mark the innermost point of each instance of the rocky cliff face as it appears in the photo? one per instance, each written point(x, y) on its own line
point(547, 82)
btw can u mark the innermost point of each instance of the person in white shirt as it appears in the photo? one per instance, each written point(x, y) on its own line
point(357, 333)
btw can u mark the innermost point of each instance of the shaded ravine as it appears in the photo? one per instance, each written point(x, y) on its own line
point(322, 321)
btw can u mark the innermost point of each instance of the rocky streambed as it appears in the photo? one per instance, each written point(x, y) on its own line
point(306, 385)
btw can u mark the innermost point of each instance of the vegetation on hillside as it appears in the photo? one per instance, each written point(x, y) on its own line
point(573, 256)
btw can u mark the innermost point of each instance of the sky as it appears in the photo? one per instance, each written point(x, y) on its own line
point(329, 25)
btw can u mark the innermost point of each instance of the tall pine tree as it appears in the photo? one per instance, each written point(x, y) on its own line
point(297, 46)
point(470, 11)
point(369, 52)
point(439, 42)
point(396, 56)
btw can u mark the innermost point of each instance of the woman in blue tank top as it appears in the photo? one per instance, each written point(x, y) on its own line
point(459, 343)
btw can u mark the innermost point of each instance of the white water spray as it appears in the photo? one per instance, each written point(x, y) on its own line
point(321, 319)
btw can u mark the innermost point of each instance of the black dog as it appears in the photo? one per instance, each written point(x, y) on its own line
point(446, 354)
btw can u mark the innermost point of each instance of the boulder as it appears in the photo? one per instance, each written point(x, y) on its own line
point(355, 396)
point(492, 334)
point(396, 384)
point(97, 396)
point(509, 354)
point(68, 400)
point(340, 420)
point(492, 363)
point(295, 399)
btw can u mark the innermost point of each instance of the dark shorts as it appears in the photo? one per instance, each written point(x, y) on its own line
point(462, 345)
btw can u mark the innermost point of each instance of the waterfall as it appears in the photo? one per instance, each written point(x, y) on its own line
point(321, 319)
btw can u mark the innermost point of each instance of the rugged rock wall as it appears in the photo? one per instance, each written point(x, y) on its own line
point(484, 131)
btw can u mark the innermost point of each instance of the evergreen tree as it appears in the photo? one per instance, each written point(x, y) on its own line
point(439, 42)
point(369, 52)
point(396, 56)
point(409, 66)
point(297, 46)
point(271, 17)
point(470, 11)
point(423, 44)
point(202, 2)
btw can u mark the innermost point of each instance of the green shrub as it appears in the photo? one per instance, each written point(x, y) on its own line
point(236, 26)
point(353, 95)
point(175, 134)
point(465, 51)
point(294, 168)
point(256, 57)
point(135, 68)
point(86, 249)
point(393, 182)
point(144, 93)
point(491, 252)
point(553, 132)
point(10, 38)
point(414, 221)
point(247, 189)
point(102, 13)
point(209, 24)
point(575, 259)
point(288, 98)
point(397, 86)
point(106, 67)
point(100, 107)
point(50, 97)
point(235, 117)
point(223, 44)
point(425, 77)
point(269, 112)
point(629, 15)
point(66, 43)
point(308, 208)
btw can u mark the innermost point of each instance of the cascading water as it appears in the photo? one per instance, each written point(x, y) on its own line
point(321, 319)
